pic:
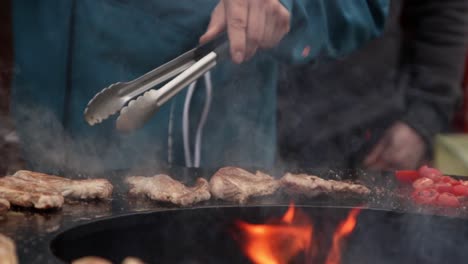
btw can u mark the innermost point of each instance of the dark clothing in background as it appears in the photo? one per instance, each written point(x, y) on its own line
point(331, 114)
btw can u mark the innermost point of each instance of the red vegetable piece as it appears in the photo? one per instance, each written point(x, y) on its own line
point(448, 179)
point(442, 187)
point(407, 175)
point(448, 200)
point(423, 183)
point(425, 196)
point(460, 190)
point(431, 173)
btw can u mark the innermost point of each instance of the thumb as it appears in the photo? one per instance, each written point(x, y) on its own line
point(217, 24)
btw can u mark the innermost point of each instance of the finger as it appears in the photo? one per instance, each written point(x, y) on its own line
point(255, 28)
point(374, 155)
point(281, 27)
point(236, 20)
point(217, 23)
point(379, 165)
point(270, 25)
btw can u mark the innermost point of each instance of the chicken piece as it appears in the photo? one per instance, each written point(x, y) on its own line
point(348, 188)
point(311, 186)
point(238, 185)
point(91, 260)
point(7, 250)
point(163, 188)
point(24, 194)
point(4, 206)
point(75, 189)
point(132, 260)
point(307, 185)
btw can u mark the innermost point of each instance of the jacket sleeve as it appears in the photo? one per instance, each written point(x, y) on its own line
point(433, 52)
point(330, 28)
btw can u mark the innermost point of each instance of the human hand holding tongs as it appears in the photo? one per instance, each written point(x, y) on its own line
point(143, 102)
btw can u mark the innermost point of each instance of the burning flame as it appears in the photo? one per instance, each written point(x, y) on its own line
point(277, 243)
point(282, 240)
point(344, 230)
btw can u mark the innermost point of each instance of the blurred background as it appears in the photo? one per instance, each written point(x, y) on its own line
point(405, 102)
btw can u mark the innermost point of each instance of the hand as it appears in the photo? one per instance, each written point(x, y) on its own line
point(251, 24)
point(400, 148)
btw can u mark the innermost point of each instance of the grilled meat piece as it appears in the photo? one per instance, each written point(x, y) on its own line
point(132, 260)
point(306, 185)
point(25, 194)
point(311, 186)
point(163, 188)
point(7, 251)
point(238, 185)
point(4, 206)
point(348, 188)
point(91, 260)
point(75, 189)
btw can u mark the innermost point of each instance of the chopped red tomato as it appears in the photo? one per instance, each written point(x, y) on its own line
point(426, 196)
point(407, 175)
point(449, 180)
point(447, 200)
point(423, 183)
point(442, 187)
point(431, 173)
point(460, 190)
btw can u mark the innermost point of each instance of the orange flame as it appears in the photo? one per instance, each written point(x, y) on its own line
point(283, 239)
point(343, 230)
point(277, 243)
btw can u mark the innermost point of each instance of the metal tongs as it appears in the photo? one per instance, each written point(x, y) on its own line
point(184, 70)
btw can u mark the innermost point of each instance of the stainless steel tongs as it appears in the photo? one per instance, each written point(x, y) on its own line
point(184, 70)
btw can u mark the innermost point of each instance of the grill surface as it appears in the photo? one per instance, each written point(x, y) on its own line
point(203, 236)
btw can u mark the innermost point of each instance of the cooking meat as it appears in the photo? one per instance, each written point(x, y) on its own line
point(76, 189)
point(24, 194)
point(163, 188)
point(238, 185)
point(132, 260)
point(311, 186)
point(91, 260)
point(4, 206)
point(7, 250)
point(306, 185)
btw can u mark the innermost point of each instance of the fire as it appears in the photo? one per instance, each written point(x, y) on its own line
point(344, 230)
point(277, 243)
point(282, 240)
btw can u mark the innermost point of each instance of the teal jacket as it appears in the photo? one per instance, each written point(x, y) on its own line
point(67, 51)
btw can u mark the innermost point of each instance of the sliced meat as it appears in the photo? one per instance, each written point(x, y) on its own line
point(305, 185)
point(4, 206)
point(132, 260)
point(19, 193)
point(163, 188)
point(91, 260)
point(311, 186)
point(75, 189)
point(238, 185)
point(7, 250)
point(348, 188)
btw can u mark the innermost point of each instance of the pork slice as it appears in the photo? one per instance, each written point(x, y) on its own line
point(305, 185)
point(75, 189)
point(238, 185)
point(91, 260)
point(26, 194)
point(7, 250)
point(348, 188)
point(4, 206)
point(163, 188)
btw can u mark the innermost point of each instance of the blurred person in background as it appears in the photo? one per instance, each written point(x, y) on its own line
point(380, 107)
point(67, 51)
